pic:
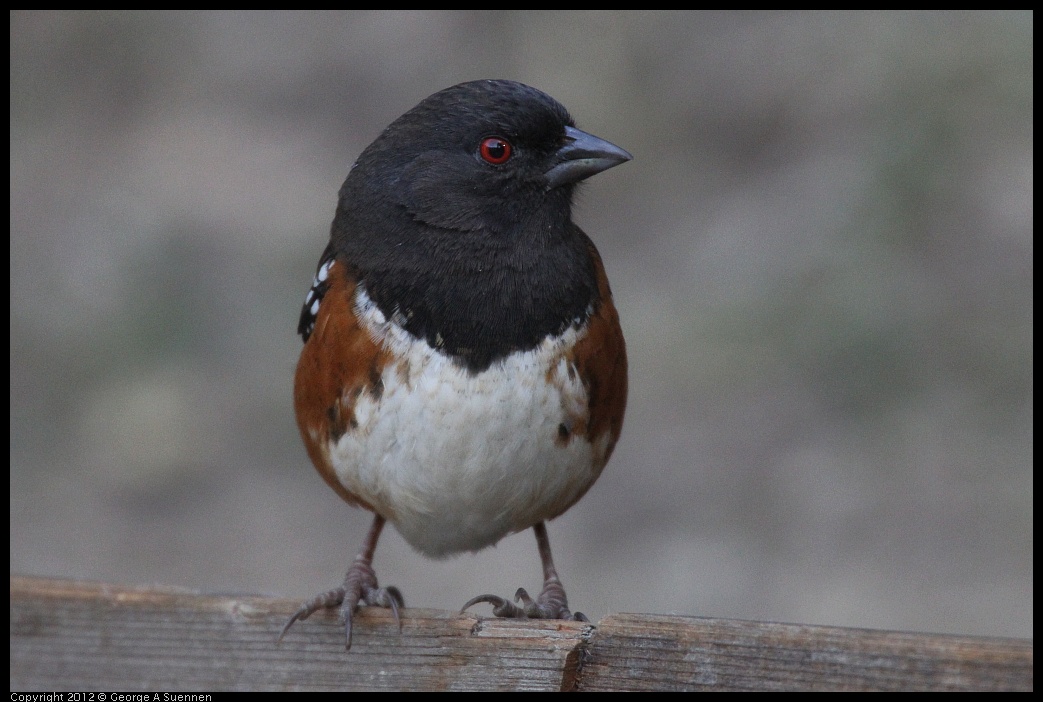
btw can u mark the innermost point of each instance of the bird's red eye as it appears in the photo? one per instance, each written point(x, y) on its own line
point(495, 150)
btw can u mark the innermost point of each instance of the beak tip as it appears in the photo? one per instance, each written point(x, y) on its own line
point(583, 156)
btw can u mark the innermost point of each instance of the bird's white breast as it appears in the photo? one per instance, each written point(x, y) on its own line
point(457, 460)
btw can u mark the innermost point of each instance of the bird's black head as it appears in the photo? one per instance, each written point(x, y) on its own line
point(458, 217)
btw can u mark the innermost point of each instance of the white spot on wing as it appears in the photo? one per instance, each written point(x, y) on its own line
point(324, 272)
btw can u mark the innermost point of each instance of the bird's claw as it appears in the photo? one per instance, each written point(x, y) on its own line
point(503, 608)
point(551, 604)
point(360, 587)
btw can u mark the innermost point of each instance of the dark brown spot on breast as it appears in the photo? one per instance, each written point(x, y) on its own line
point(563, 434)
point(376, 380)
point(336, 421)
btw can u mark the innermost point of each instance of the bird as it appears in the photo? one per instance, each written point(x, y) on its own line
point(464, 372)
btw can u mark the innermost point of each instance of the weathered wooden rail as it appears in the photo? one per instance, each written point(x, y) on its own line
point(82, 636)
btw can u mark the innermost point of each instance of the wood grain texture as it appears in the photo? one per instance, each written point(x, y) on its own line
point(650, 652)
point(70, 635)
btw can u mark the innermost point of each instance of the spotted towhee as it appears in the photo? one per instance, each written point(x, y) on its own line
point(464, 374)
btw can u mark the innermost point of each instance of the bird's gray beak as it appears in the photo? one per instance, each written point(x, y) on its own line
point(582, 156)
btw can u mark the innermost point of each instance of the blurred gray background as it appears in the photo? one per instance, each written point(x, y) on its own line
point(821, 253)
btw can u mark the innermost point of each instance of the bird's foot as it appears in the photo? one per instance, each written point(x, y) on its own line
point(360, 587)
point(550, 604)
